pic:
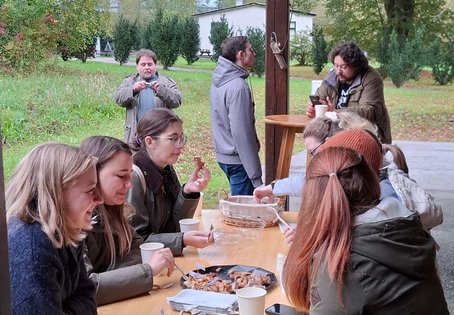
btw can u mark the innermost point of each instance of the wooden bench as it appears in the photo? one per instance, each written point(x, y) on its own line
point(205, 51)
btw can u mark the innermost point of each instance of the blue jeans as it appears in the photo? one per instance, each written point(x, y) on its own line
point(240, 184)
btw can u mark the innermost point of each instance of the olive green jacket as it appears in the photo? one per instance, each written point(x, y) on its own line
point(128, 278)
point(365, 98)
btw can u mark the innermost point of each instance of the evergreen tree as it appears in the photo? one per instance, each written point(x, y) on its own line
point(319, 50)
point(405, 58)
point(190, 43)
point(168, 41)
point(219, 31)
point(441, 59)
point(257, 39)
point(122, 40)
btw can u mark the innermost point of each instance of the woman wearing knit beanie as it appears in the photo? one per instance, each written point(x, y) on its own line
point(315, 134)
point(354, 253)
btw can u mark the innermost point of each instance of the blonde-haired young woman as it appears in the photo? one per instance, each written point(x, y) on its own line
point(49, 200)
point(112, 253)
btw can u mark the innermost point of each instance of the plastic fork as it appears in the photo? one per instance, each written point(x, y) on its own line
point(183, 274)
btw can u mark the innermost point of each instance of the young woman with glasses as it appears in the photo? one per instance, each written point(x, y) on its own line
point(160, 202)
point(315, 134)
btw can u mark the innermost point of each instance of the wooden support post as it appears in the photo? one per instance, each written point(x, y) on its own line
point(5, 293)
point(277, 82)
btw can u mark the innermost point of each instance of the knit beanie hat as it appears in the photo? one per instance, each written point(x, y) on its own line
point(360, 141)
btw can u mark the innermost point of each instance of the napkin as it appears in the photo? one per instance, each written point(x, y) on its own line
point(210, 302)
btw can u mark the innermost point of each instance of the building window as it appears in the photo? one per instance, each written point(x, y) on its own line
point(292, 28)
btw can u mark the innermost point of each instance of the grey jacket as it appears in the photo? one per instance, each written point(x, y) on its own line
point(44, 279)
point(232, 119)
point(366, 98)
point(128, 278)
point(167, 96)
point(391, 269)
point(162, 206)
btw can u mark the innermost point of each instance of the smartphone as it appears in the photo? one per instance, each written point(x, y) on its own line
point(282, 309)
point(315, 99)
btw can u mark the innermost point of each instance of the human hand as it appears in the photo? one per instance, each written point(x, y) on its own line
point(160, 260)
point(310, 109)
point(263, 192)
point(289, 235)
point(198, 180)
point(155, 85)
point(328, 102)
point(138, 86)
point(198, 239)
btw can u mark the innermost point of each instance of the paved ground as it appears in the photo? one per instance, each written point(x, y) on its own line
point(431, 164)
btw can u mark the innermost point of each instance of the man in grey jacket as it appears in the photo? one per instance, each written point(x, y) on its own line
point(232, 118)
point(144, 91)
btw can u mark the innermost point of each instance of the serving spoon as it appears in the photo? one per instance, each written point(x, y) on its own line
point(279, 217)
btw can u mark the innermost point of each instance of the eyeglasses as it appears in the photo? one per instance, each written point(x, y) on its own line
point(176, 140)
point(314, 150)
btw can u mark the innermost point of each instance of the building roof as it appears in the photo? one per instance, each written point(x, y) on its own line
point(241, 6)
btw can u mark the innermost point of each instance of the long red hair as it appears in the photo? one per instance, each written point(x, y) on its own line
point(339, 185)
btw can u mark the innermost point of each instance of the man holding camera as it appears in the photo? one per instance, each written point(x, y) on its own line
point(353, 85)
point(144, 91)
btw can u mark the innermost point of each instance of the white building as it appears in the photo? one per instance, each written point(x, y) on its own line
point(242, 16)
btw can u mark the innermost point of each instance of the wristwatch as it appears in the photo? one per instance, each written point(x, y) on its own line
point(273, 183)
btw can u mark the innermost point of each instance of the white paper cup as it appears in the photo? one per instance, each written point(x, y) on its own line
point(251, 300)
point(280, 261)
point(189, 225)
point(320, 110)
point(147, 250)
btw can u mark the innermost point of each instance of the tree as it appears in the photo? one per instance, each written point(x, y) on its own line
point(366, 21)
point(150, 39)
point(405, 59)
point(319, 50)
point(190, 43)
point(80, 20)
point(441, 59)
point(301, 47)
point(257, 39)
point(123, 39)
point(163, 36)
point(219, 31)
point(30, 31)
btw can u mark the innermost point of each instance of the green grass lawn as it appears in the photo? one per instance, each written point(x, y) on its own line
point(71, 100)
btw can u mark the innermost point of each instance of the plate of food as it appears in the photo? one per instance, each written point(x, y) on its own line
point(228, 278)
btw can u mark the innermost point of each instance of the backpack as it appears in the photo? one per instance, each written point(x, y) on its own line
point(415, 198)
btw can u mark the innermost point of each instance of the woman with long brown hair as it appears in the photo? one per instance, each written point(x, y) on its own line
point(112, 253)
point(158, 197)
point(355, 254)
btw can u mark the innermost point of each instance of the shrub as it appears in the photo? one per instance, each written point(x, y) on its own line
point(301, 48)
point(219, 31)
point(168, 41)
point(405, 60)
point(190, 43)
point(442, 60)
point(123, 39)
point(319, 50)
point(257, 39)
